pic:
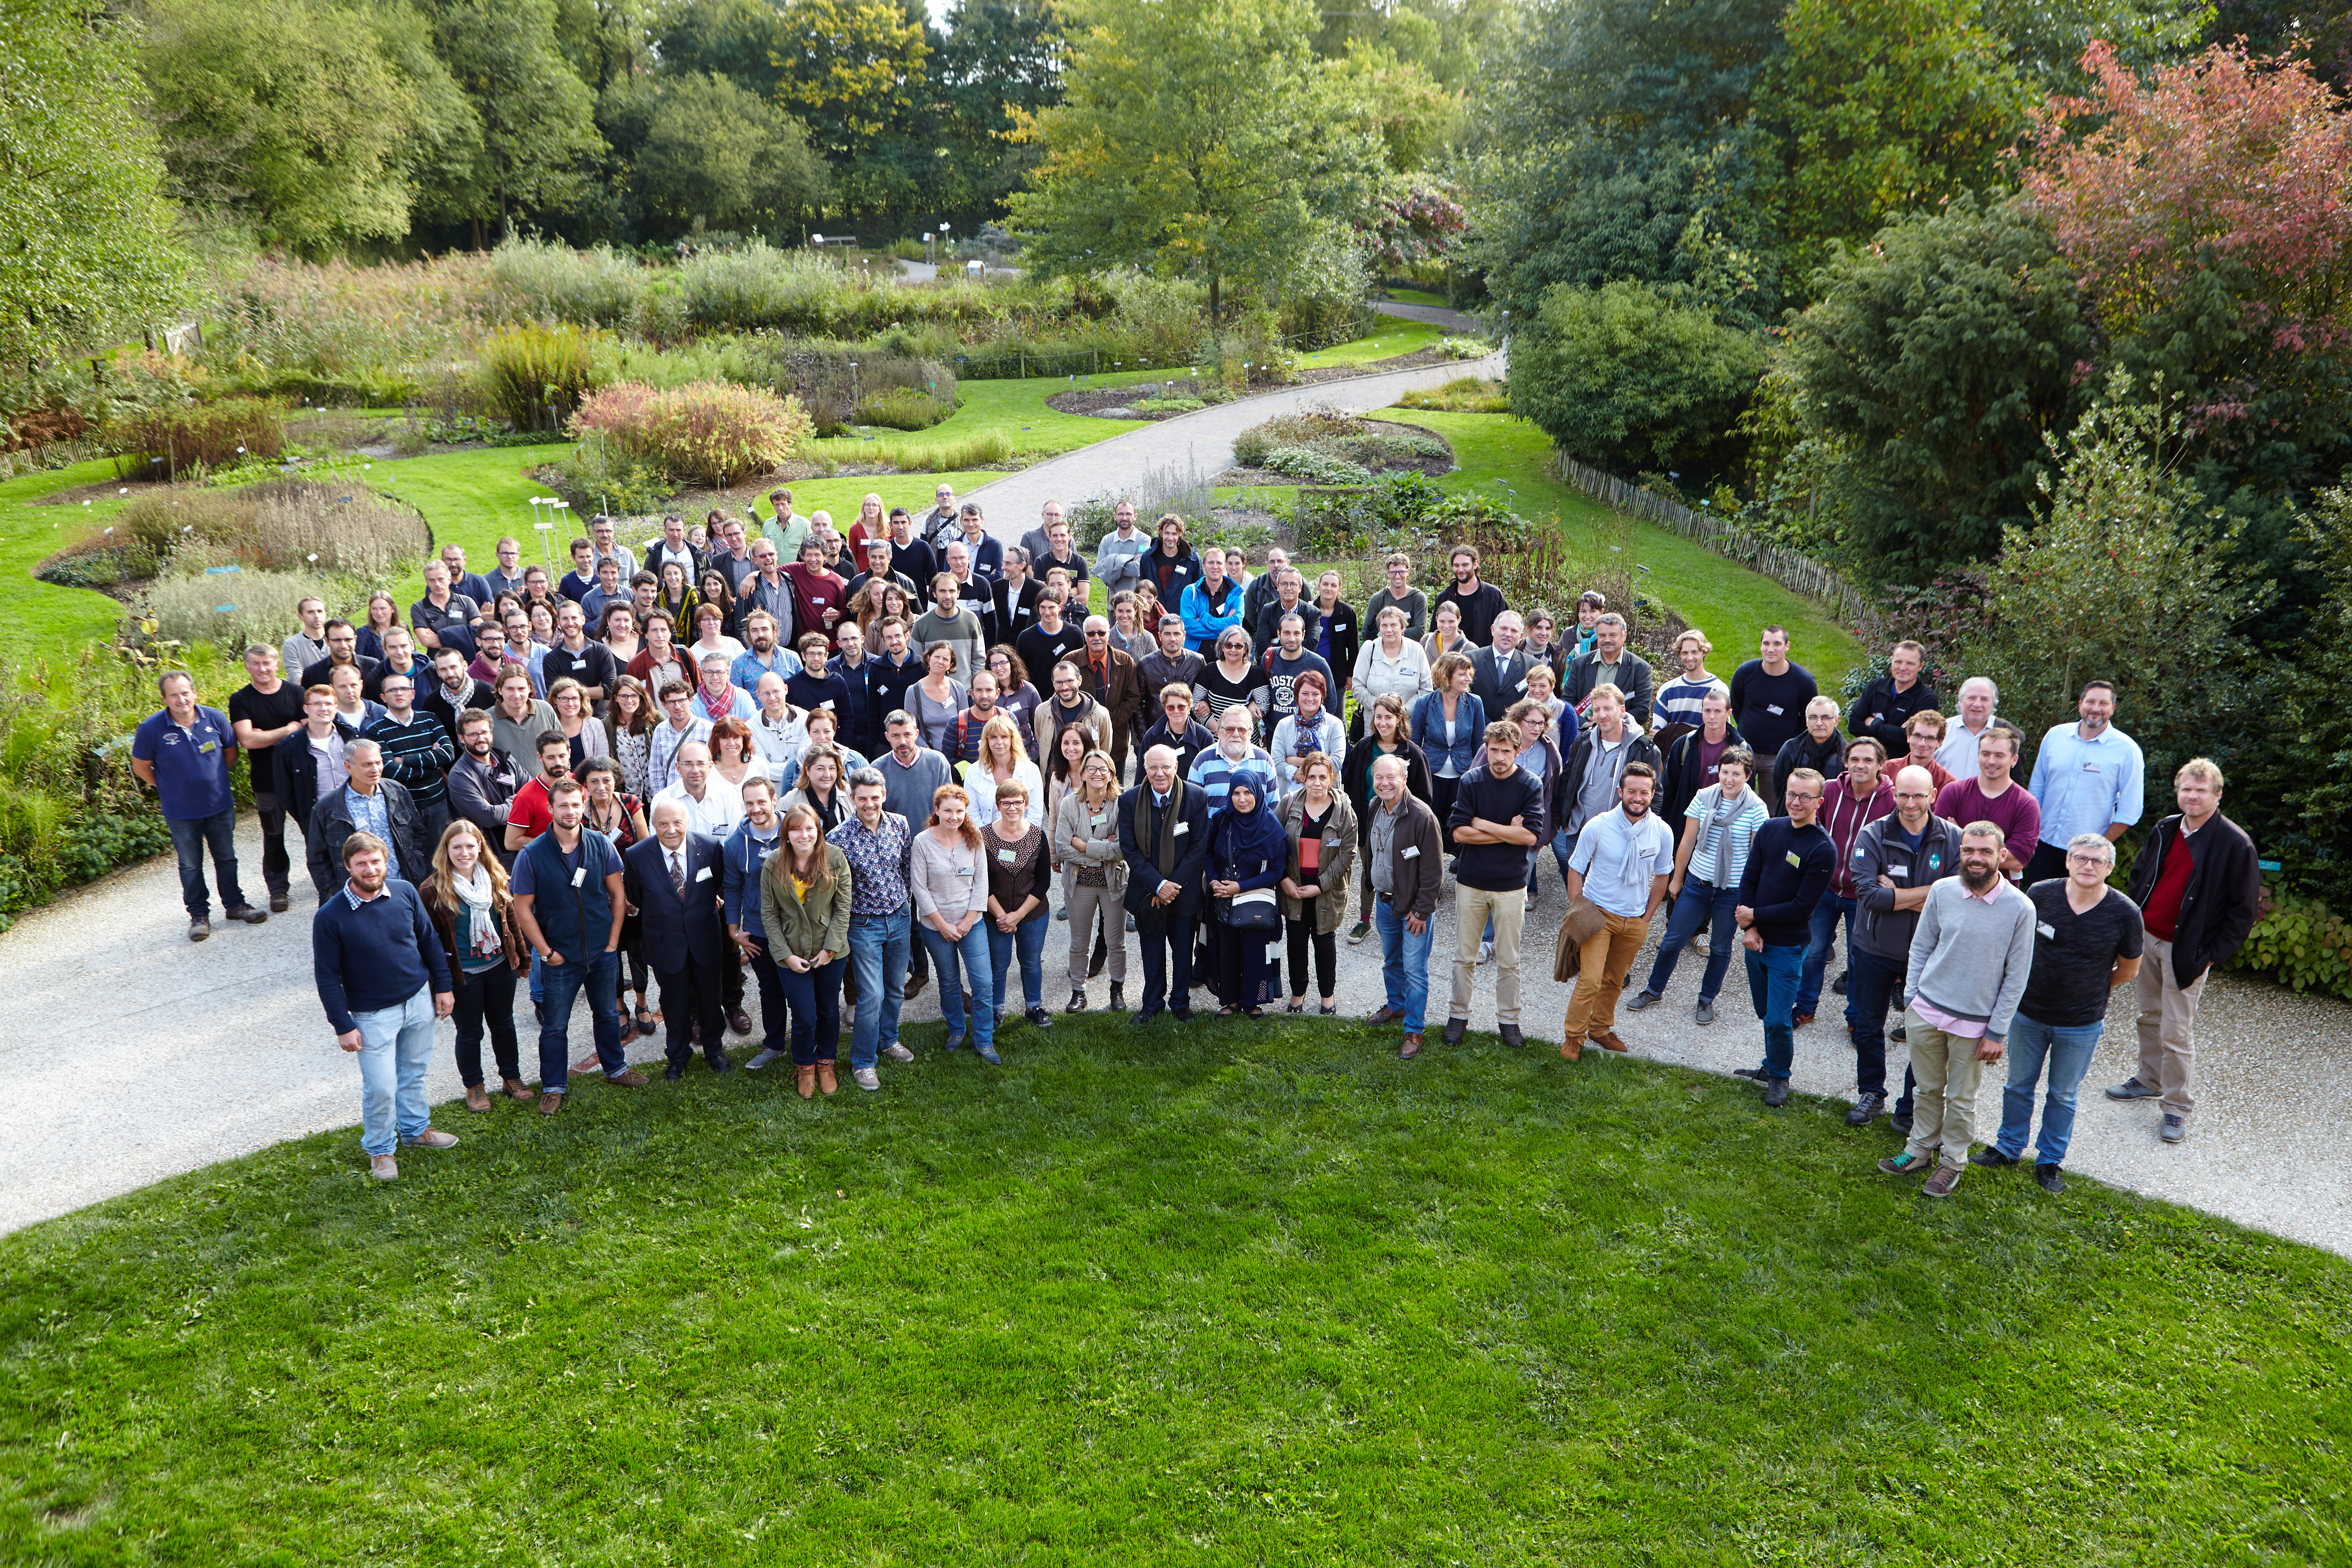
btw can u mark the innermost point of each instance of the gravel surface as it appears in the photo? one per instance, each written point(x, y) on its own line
point(185, 1054)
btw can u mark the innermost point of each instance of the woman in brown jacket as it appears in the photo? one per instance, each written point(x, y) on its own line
point(804, 907)
point(467, 898)
point(1321, 828)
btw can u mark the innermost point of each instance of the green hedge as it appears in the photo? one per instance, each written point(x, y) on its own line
point(2301, 943)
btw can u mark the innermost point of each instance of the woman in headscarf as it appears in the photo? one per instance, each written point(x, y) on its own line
point(1248, 851)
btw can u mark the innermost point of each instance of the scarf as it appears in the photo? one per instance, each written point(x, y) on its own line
point(1165, 851)
point(716, 710)
point(475, 895)
point(1238, 839)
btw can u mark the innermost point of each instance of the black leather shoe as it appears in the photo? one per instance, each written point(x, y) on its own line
point(1182, 1014)
point(1901, 1123)
point(1142, 1018)
point(674, 1071)
point(2050, 1178)
point(1991, 1157)
point(1454, 1029)
point(721, 1062)
point(1776, 1093)
point(1117, 996)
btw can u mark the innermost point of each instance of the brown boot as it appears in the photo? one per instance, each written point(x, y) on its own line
point(516, 1090)
point(1572, 1048)
point(1608, 1041)
point(804, 1079)
point(1410, 1048)
point(826, 1082)
point(628, 1079)
point(551, 1102)
point(477, 1098)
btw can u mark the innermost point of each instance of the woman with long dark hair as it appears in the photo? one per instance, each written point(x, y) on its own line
point(804, 907)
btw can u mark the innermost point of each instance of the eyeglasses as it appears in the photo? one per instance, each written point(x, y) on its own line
point(1792, 795)
point(1092, 636)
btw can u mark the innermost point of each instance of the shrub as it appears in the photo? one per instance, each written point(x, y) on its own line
point(593, 480)
point(538, 280)
point(213, 435)
point(534, 377)
point(1315, 466)
point(1462, 395)
point(902, 408)
point(300, 525)
point(1623, 378)
point(713, 432)
point(2301, 943)
point(1465, 348)
point(230, 611)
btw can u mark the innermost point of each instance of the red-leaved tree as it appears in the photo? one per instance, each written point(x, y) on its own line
point(2224, 159)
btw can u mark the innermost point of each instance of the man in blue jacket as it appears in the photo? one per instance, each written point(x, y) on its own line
point(383, 979)
point(1163, 833)
point(570, 898)
point(673, 879)
point(183, 754)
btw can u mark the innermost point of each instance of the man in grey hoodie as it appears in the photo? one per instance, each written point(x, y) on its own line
point(1969, 960)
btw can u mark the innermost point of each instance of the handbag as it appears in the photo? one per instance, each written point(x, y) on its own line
point(1253, 911)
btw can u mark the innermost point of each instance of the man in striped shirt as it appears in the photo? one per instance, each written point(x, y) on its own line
point(1234, 756)
point(419, 752)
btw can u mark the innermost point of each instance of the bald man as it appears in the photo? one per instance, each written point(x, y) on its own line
point(674, 880)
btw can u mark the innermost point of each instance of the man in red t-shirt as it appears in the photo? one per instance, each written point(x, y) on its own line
point(530, 813)
point(818, 595)
point(1993, 797)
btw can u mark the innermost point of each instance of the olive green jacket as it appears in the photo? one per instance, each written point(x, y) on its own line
point(804, 929)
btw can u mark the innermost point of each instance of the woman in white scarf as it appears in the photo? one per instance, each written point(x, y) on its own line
point(467, 898)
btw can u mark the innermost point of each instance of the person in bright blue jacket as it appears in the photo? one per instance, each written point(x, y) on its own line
point(1210, 605)
point(1449, 725)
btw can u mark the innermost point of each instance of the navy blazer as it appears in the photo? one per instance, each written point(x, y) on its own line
point(677, 930)
point(1144, 877)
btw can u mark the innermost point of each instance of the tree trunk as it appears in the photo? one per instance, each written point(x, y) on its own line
point(1217, 296)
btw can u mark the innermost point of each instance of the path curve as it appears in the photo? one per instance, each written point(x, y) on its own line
point(1202, 440)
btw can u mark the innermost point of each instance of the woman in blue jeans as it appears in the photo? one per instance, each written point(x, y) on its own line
point(804, 891)
point(949, 869)
point(1020, 873)
point(1717, 830)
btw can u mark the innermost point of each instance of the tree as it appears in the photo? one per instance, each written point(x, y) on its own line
point(284, 114)
point(1940, 360)
point(1624, 378)
point(998, 60)
point(538, 132)
point(1197, 139)
point(1413, 115)
point(854, 72)
point(713, 152)
point(88, 251)
point(2130, 580)
point(1881, 107)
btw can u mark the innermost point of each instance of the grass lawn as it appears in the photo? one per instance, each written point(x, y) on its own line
point(1396, 336)
point(1506, 456)
point(1418, 297)
point(1229, 1294)
point(38, 619)
point(1017, 410)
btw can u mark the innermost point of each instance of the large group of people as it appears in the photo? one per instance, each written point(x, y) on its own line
point(683, 771)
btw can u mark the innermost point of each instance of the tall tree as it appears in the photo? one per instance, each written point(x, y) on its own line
point(87, 244)
point(997, 59)
point(854, 72)
point(285, 114)
point(1202, 139)
point(537, 128)
point(715, 152)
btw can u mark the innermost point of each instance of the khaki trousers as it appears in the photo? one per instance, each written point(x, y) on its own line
point(1471, 908)
point(2167, 1012)
point(1944, 1103)
point(1601, 969)
point(1083, 903)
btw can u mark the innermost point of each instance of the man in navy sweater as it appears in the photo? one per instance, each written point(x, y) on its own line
point(1788, 867)
point(383, 979)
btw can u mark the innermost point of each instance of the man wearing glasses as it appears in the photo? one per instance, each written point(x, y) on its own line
point(1790, 862)
point(1107, 674)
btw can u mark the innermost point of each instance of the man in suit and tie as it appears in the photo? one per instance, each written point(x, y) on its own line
point(673, 879)
point(1163, 831)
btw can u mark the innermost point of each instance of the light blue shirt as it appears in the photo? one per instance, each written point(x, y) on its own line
point(1619, 858)
point(749, 667)
point(370, 815)
point(2084, 785)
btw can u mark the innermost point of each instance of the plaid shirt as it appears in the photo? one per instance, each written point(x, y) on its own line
point(878, 863)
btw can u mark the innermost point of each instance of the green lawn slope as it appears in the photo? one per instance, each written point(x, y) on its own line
point(1231, 1293)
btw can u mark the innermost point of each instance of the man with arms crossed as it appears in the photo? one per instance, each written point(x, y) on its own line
point(1788, 865)
point(1969, 961)
point(1492, 808)
point(1896, 860)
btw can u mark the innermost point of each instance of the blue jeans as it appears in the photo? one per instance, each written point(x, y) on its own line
point(1029, 936)
point(600, 976)
point(1405, 963)
point(395, 1047)
point(192, 837)
point(1875, 984)
point(814, 997)
point(877, 952)
point(972, 951)
point(1563, 847)
point(1698, 904)
point(2069, 1052)
point(1772, 985)
point(1826, 915)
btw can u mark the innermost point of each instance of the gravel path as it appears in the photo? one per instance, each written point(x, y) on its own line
point(180, 1054)
point(1201, 441)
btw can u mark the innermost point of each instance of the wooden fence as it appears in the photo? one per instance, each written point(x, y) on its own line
point(1799, 574)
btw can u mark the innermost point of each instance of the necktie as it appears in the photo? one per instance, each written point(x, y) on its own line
point(677, 874)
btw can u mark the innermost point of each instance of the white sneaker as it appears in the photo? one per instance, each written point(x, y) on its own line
point(1486, 953)
point(865, 1078)
point(383, 1167)
point(764, 1057)
point(897, 1053)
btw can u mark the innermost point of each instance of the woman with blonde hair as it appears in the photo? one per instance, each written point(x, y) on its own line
point(473, 911)
point(805, 890)
point(948, 868)
point(1005, 760)
point(1093, 875)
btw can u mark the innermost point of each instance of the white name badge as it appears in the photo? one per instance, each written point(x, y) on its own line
point(1794, 860)
point(1523, 684)
point(826, 703)
point(1182, 829)
point(1006, 856)
point(1894, 871)
point(966, 872)
point(1410, 852)
point(1773, 707)
point(703, 875)
point(580, 876)
point(2046, 929)
point(2090, 768)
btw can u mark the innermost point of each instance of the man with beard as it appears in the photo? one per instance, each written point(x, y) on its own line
point(483, 782)
point(1479, 602)
point(1622, 861)
point(575, 931)
point(1969, 961)
point(384, 979)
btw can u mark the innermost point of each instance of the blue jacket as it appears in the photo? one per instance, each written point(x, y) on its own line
point(676, 929)
point(741, 859)
point(1429, 731)
point(1205, 622)
point(573, 920)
